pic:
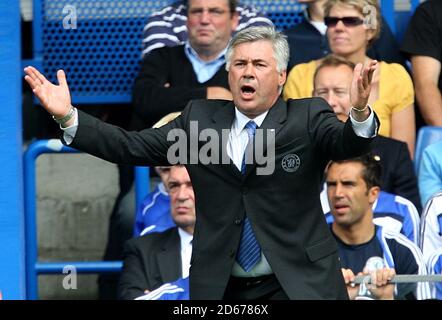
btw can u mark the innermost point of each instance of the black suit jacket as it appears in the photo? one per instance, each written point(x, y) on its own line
point(398, 175)
point(284, 207)
point(149, 262)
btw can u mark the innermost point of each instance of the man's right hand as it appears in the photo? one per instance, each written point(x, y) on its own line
point(219, 93)
point(55, 99)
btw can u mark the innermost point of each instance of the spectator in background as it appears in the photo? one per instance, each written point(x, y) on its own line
point(430, 171)
point(167, 27)
point(332, 81)
point(171, 76)
point(349, 37)
point(157, 258)
point(352, 188)
point(423, 45)
point(308, 39)
point(153, 215)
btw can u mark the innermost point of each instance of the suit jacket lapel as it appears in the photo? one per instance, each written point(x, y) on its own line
point(169, 258)
point(223, 119)
point(273, 121)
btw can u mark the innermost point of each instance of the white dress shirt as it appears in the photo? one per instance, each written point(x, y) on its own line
point(186, 251)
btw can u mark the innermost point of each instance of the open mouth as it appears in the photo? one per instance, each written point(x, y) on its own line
point(247, 90)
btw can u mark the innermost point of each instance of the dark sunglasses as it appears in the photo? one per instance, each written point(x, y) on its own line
point(347, 21)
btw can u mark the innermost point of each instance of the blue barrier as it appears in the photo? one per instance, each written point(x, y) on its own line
point(12, 259)
point(79, 266)
point(142, 187)
point(33, 267)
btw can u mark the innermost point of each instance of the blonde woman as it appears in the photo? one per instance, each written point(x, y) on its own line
point(352, 26)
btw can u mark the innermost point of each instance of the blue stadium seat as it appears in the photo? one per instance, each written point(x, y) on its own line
point(426, 136)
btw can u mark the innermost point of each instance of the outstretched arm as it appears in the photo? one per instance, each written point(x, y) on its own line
point(148, 147)
point(55, 99)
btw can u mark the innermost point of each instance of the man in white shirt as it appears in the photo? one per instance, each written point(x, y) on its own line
point(259, 222)
point(158, 258)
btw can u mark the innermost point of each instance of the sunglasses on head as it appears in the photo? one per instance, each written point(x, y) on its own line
point(347, 21)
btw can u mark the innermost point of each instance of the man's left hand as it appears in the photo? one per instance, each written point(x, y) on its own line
point(361, 84)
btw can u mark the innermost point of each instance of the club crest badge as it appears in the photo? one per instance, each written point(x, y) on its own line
point(291, 162)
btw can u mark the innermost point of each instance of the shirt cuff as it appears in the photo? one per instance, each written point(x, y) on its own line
point(69, 132)
point(366, 128)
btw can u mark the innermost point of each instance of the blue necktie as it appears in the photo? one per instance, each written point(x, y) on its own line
point(249, 251)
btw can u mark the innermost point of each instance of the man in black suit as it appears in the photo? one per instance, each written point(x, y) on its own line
point(161, 257)
point(332, 82)
point(260, 231)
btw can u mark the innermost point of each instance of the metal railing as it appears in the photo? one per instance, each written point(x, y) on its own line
point(34, 268)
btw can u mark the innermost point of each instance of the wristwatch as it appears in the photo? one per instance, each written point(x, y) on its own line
point(66, 118)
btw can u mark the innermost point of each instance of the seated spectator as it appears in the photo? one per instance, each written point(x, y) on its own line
point(308, 40)
point(392, 95)
point(430, 171)
point(153, 215)
point(332, 81)
point(390, 211)
point(352, 191)
point(435, 267)
point(431, 226)
point(167, 27)
point(157, 258)
point(171, 76)
point(423, 45)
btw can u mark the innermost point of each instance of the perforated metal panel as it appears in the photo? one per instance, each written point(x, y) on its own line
point(97, 42)
point(283, 13)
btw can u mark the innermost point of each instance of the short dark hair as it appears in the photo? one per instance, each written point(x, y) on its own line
point(332, 60)
point(232, 5)
point(372, 168)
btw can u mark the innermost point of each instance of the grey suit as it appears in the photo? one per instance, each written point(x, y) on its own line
point(284, 207)
point(149, 262)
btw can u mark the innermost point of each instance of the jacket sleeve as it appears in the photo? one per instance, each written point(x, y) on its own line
point(148, 147)
point(334, 139)
point(133, 280)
